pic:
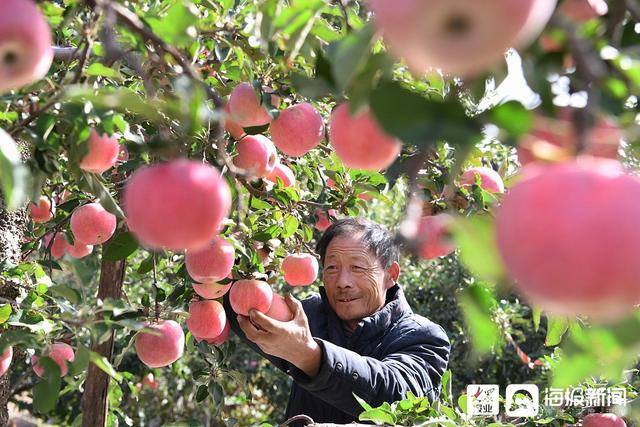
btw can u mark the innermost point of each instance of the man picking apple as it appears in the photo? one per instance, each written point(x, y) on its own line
point(358, 336)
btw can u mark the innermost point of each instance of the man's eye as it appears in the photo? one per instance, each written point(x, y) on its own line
point(330, 267)
point(358, 267)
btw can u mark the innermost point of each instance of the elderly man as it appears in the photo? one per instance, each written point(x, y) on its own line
point(359, 336)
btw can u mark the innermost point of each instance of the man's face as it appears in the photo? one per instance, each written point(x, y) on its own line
point(354, 280)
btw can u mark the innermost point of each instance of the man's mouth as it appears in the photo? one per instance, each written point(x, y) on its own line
point(346, 299)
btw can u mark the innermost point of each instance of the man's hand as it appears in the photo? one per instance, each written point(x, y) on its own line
point(291, 341)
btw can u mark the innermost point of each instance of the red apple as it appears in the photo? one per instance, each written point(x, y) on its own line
point(256, 155)
point(284, 173)
point(279, 309)
point(323, 219)
point(92, 224)
point(162, 347)
point(206, 318)
point(61, 353)
point(603, 420)
point(59, 246)
point(25, 44)
point(490, 180)
point(43, 211)
point(212, 263)
point(460, 37)
point(211, 290)
point(433, 236)
point(103, 153)
point(245, 107)
point(568, 236)
point(150, 381)
point(5, 360)
point(300, 269)
point(177, 205)
point(360, 142)
point(297, 130)
point(79, 250)
point(220, 339)
point(246, 295)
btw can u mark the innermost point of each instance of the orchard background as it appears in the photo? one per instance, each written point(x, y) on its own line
point(156, 75)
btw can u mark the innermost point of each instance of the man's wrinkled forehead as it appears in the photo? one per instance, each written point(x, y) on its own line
point(351, 246)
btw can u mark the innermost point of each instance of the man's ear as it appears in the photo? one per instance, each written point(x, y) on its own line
point(393, 273)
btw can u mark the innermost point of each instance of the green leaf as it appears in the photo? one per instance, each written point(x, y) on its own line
point(477, 304)
point(419, 121)
point(475, 236)
point(348, 55)
point(362, 402)
point(13, 174)
point(260, 204)
point(67, 293)
point(45, 393)
point(176, 26)
point(202, 393)
point(216, 392)
point(81, 360)
point(97, 69)
point(512, 117)
point(103, 363)
point(98, 189)
point(5, 312)
point(291, 224)
point(123, 245)
point(556, 328)
point(378, 416)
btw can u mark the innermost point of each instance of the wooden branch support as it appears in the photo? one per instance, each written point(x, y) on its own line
point(96, 387)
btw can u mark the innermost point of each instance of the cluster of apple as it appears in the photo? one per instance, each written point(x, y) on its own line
point(164, 343)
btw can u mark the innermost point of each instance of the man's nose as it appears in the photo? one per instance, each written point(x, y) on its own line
point(345, 278)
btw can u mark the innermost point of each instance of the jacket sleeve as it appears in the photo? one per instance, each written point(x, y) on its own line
point(416, 364)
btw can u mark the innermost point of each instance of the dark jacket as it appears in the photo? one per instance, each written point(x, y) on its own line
point(390, 352)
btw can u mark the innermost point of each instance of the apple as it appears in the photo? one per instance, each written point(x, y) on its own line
point(211, 290)
point(568, 236)
point(25, 44)
point(43, 211)
point(279, 309)
point(433, 239)
point(297, 130)
point(206, 318)
point(603, 420)
point(176, 205)
point(490, 180)
point(300, 269)
point(245, 107)
point(162, 347)
point(102, 154)
point(92, 224)
point(5, 360)
point(460, 37)
point(246, 295)
point(256, 155)
point(61, 353)
point(359, 141)
point(284, 173)
point(211, 263)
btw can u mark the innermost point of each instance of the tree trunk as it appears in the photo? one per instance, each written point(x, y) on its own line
point(12, 227)
point(96, 387)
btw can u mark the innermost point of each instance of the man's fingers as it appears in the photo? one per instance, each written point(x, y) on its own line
point(262, 321)
point(294, 305)
point(249, 329)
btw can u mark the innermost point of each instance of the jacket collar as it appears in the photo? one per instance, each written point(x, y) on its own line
point(395, 308)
